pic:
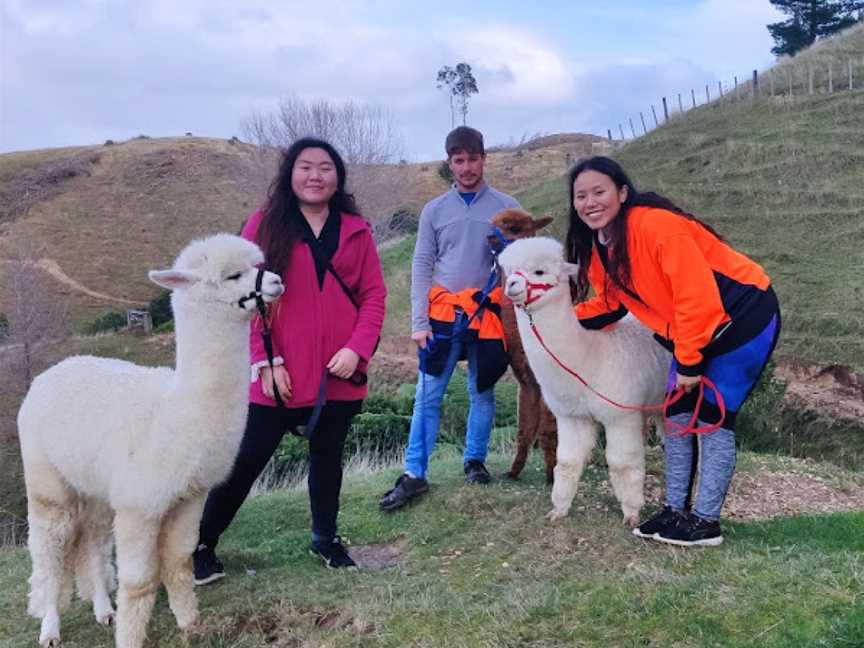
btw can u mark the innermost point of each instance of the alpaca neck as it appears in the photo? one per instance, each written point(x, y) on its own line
point(212, 349)
point(555, 320)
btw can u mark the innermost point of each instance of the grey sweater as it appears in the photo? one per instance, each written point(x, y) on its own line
point(452, 248)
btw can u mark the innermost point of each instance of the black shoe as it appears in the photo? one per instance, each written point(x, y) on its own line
point(692, 531)
point(664, 519)
point(333, 553)
point(208, 568)
point(406, 489)
point(476, 473)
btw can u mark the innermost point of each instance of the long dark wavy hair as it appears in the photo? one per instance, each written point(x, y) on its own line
point(281, 223)
point(580, 237)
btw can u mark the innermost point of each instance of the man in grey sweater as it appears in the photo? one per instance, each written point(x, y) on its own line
point(451, 252)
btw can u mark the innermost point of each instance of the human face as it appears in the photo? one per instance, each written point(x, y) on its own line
point(467, 170)
point(313, 178)
point(596, 199)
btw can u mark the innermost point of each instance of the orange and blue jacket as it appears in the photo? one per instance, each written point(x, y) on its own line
point(486, 328)
point(700, 297)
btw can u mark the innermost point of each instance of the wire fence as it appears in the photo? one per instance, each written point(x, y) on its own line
point(787, 79)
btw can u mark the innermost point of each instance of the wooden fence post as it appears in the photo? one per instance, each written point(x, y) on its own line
point(680, 105)
point(621, 130)
point(720, 88)
point(632, 130)
point(609, 133)
point(693, 95)
point(665, 111)
point(654, 112)
point(755, 84)
point(736, 81)
point(707, 94)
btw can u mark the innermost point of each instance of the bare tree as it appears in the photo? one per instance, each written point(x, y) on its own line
point(362, 133)
point(31, 314)
point(365, 135)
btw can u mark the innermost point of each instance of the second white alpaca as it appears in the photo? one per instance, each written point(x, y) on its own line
point(622, 362)
point(102, 437)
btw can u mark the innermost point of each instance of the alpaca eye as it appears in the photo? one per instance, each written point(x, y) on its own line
point(234, 277)
point(515, 229)
point(539, 273)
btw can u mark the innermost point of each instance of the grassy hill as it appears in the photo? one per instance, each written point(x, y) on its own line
point(101, 216)
point(481, 567)
point(783, 180)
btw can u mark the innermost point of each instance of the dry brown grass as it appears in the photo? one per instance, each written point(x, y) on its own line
point(130, 207)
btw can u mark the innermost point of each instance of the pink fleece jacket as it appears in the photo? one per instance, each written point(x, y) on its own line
point(310, 325)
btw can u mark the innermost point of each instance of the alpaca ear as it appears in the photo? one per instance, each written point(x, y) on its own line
point(540, 223)
point(569, 269)
point(173, 279)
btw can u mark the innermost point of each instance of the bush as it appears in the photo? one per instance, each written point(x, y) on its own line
point(4, 326)
point(164, 327)
point(160, 309)
point(403, 221)
point(445, 173)
point(110, 321)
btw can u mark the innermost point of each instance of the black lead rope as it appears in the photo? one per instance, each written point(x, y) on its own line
point(267, 338)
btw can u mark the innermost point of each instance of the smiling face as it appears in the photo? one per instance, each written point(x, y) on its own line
point(596, 199)
point(314, 179)
point(467, 170)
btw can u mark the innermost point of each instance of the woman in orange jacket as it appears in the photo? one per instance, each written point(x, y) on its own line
point(710, 305)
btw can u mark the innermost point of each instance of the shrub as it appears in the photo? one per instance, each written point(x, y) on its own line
point(110, 321)
point(403, 221)
point(444, 172)
point(160, 309)
point(4, 326)
point(164, 327)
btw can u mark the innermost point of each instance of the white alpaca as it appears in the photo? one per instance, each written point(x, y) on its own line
point(622, 362)
point(103, 438)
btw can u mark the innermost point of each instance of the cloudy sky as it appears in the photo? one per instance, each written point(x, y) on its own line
point(80, 72)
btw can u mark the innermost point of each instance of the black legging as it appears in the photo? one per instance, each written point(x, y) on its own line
point(265, 428)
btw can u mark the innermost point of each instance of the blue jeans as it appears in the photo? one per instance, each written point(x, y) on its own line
point(427, 412)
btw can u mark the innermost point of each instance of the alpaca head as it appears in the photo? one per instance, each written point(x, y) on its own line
point(535, 271)
point(515, 224)
point(221, 269)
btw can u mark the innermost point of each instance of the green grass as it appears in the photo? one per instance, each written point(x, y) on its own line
point(483, 568)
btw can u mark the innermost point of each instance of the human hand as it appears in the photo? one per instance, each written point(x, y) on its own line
point(343, 364)
point(282, 379)
point(421, 338)
point(686, 382)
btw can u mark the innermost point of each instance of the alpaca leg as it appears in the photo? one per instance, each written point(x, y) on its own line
point(625, 456)
point(94, 571)
point(177, 541)
point(529, 400)
point(576, 439)
point(548, 433)
point(52, 512)
point(137, 564)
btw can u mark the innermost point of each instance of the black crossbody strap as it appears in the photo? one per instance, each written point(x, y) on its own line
point(316, 252)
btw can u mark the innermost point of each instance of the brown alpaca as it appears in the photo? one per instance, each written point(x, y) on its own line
point(536, 422)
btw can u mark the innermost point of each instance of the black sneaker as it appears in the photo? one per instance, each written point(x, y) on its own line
point(333, 553)
point(476, 473)
point(652, 526)
point(208, 568)
point(692, 531)
point(406, 489)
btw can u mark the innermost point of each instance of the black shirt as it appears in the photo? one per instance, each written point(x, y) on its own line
point(327, 241)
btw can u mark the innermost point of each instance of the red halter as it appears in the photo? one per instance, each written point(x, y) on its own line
point(534, 287)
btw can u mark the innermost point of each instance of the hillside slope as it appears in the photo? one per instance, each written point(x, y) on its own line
point(101, 216)
point(782, 178)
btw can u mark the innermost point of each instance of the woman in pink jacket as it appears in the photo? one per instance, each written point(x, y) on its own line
point(323, 333)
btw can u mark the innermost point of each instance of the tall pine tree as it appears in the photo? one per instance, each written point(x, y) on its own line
point(811, 19)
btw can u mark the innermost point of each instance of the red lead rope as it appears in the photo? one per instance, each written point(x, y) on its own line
point(671, 397)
